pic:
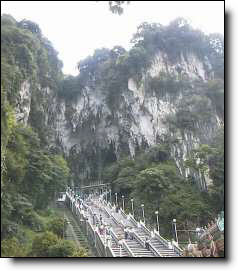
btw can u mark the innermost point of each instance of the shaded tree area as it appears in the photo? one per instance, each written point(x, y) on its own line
point(26, 54)
point(179, 37)
point(31, 177)
point(46, 243)
point(152, 178)
point(31, 173)
point(116, 7)
point(110, 70)
point(49, 244)
point(209, 160)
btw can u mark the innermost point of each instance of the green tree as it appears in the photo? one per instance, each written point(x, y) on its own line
point(42, 243)
point(214, 89)
point(152, 183)
point(116, 6)
point(80, 253)
point(12, 248)
point(57, 225)
point(63, 248)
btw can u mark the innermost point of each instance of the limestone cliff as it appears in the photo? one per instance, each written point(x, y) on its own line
point(162, 101)
point(89, 130)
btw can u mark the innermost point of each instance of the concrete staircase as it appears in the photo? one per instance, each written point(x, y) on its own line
point(156, 243)
point(119, 252)
point(134, 245)
point(77, 234)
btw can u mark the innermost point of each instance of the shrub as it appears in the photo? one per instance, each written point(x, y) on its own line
point(63, 248)
point(57, 226)
point(42, 243)
point(12, 248)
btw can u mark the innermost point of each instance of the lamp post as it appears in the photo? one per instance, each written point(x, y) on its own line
point(120, 245)
point(72, 201)
point(198, 233)
point(123, 203)
point(157, 220)
point(132, 207)
point(116, 198)
point(63, 226)
point(175, 230)
point(106, 195)
point(110, 196)
point(86, 220)
point(143, 212)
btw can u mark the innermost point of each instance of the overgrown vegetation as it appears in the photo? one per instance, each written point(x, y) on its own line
point(26, 54)
point(167, 84)
point(45, 242)
point(110, 70)
point(179, 37)
point(153, 179)
point(30, 173)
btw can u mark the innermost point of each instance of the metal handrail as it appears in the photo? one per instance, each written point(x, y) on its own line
point(116, 221)
point(145, 229)
point(127, 248)
point(161, 239)
point(177, 249)
point(153, 249)
point(139, 240)
point(114, 236)
point(107, 209)
point(123, 213)
point(101, 242)
point(133, 220)
point(111, 251)
point(123, 242)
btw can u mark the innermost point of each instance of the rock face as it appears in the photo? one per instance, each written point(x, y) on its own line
point(189, 65)
point(92, 134)
point(23, 104)
point(95, 132)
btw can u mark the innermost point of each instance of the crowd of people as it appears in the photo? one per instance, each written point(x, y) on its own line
point(102, 228)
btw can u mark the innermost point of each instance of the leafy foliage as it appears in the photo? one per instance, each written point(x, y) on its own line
point(153, 179)
point(12, 248)
point(166, 84)
point(57, 225)
point(178, 37)
point(48, 244)
point(215, 91)
point(70, 87)
point(116, 6)
point(30, 172)
point(42, 243)
point(210, 160)
point(63, 248)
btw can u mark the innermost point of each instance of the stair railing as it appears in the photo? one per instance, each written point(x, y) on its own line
point(152, 248)
point(123, 213)
point(127, 248)
point(161, 239)
point(145, 229)
point(166, 243)
point(133, 220)
point(114, 236)
point(177, 249)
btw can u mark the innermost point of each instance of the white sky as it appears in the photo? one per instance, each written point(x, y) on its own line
point(77, 28)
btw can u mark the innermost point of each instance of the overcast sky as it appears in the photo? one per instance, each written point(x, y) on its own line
point(77, 28)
